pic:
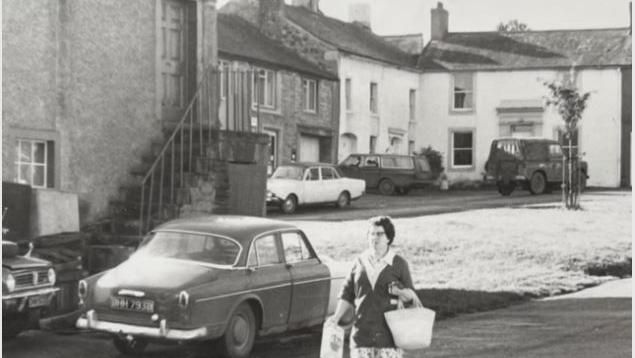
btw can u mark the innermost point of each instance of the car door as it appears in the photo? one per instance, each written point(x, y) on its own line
point(554, 174)
point(270, 279)
point(311, 184)
point(350, 166)
point(331, 184)
point(369, 170)
point(310, 281)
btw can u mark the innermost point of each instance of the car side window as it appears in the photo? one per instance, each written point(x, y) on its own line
point(264, 252)
point(555, 150)
point(295, 249)
point(312, 174)
point(371, 162)
point(328, 173)
point(352, 161)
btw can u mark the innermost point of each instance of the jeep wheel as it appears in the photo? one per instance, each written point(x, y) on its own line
point(289, 204)
point(386, 187)
point(505, 189)
point(133, 346)
point(537, 183)
point(240, 334)
point(343, 200)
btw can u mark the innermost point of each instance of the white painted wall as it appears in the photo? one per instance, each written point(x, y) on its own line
point(394, 85)
point(599, 128)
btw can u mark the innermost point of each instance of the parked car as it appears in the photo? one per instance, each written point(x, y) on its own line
point(535, 164)
point(223, 278)
point(296, 184)
point(28, 289)
point(389, 172)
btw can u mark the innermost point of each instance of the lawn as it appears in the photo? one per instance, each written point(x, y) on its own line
point(530, 251)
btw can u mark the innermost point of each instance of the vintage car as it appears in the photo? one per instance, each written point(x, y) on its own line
point(221, 278)
point(389, 173)
point(27, 290)
point(534, 164)
point(296, 184)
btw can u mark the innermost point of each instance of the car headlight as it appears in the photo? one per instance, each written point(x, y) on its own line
point(82, 289)
point(52, 276)
point(9, 280)
point(184, 299)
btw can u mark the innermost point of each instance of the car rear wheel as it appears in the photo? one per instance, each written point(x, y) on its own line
point(240, 334)
point(129, 346)
point(505, 189)
point(387, 187)
point(537, 183)
point(289, 204)
point(343, 200)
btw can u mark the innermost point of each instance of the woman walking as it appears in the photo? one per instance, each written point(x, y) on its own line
point(378, 279)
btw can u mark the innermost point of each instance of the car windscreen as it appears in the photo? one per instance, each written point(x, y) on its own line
point(288, 172)
point(189, 246)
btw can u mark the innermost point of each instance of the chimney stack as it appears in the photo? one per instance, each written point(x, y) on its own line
point(271, 13)
point(360, 13)
point(313, 5)
point(438, 23)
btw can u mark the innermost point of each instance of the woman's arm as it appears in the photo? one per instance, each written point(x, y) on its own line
point(343, 307)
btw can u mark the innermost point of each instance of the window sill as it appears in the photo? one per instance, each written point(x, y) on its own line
point(462, 111)
point(266, 110)
point(465, 168)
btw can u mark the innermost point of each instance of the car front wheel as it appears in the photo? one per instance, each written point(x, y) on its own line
point(505, 189)
point(130, 346)
point(343, 200)
point(289, 204)
point(537, 183)
point(387, 187)
point(240, 333)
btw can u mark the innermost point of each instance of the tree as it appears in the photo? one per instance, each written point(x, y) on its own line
point(512, 26)
point(570, 103)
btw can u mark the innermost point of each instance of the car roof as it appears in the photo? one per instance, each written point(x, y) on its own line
point(307, 164)
point(238, 227)
point(383, 154)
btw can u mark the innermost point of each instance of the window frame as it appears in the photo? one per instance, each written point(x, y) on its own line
point(468, 92)
point(270, 97)
point(46, 165)
point(303, 243)
point(253, 249)
point(412, 105)
point(348, 94)
point(306, 95)
point(373, 103)
point(452, 149)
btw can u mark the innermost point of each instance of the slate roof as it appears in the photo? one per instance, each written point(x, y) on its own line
point(527, 50)
point(348, 37)
point(411, 43)
point(240, 39)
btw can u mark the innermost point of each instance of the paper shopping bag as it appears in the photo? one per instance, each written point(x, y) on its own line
point(332, 341)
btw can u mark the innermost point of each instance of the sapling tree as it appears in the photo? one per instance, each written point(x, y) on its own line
point(570, 104)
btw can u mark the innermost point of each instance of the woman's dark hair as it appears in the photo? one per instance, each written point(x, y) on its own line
point(386, 223)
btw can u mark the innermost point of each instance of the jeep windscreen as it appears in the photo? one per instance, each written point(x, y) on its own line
point(288, 172)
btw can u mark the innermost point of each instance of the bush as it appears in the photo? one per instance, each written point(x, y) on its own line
point(435, 158)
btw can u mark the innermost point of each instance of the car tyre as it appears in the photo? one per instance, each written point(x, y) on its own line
point(289, 205)
point(505, 189)
point(386, 187)
point(343, 200)
point(537, 183)
point(130, 347)
point(240, 334)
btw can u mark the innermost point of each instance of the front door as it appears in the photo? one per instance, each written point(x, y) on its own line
point(177, 57)
point(310, 282)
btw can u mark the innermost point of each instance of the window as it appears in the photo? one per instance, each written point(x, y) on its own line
point(372, 162)
point(329, 173)
point(397, 162)
point(223, 67)
point(462, 148)
point(411, 146)
point(352, 161)
point(373, 97)
point(347, 91)
point(264, 252)
point(313, 174)
point(372, 144)
point(564, 142)
point(265, 87)
point(463, 92)
point(295, 249)
point(35, 163)
point(309, 91)
point(413, 108)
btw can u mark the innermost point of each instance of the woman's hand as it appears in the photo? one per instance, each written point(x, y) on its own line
point(404, 294)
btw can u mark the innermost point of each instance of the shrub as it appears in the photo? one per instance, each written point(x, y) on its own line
point(435, 158)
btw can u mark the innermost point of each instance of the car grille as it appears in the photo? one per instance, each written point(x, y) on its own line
point(27, 279)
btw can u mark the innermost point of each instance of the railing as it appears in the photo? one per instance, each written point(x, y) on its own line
point(192, 136)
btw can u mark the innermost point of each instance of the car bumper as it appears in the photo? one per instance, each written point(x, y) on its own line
point(20, 301)
point(493, 179)
point(91, 321)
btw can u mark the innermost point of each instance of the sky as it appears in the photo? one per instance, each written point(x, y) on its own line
point(392, 17)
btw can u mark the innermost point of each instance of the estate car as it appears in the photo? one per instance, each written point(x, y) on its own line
point(221, 278)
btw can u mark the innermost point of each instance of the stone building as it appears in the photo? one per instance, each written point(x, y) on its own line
point(294, 98)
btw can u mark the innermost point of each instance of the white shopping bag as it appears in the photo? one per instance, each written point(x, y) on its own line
point(332, 341)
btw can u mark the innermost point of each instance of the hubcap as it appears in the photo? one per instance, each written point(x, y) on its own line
point(240, 331)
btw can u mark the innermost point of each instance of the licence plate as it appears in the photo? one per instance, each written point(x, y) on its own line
point(38, 301)
point(132, 304)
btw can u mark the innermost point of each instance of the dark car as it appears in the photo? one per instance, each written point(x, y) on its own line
point(535, 164)
point(27, 290)
point(389, 172)
point(223, 278)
